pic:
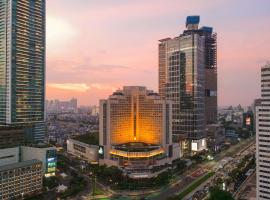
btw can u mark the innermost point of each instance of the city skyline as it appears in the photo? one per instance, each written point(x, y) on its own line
point(89, 57)
point(171, 141)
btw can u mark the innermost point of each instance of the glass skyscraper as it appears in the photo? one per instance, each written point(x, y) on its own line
point(22, 65)
point(187, 76)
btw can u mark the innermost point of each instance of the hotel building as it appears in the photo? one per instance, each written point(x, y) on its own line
point(188, 77)
point(135, 132)
point(263, 137)
point(22, 65)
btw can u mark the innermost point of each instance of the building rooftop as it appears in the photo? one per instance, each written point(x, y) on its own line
point(91, 139)
point(165, 39)
point(39, 145)
point(19, 165)
point(195, 19)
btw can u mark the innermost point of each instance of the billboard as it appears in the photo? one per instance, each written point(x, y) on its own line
point(101, 152)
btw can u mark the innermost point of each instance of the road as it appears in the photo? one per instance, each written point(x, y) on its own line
point(87, 192)
point(181, 182)
point(243, 185)
point(249, 149)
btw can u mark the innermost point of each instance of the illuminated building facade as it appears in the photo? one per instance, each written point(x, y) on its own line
point(21, 179)
point(188, 77)
point(22, 65)
point(248, 121)
point(263, 137)
point(135, 131)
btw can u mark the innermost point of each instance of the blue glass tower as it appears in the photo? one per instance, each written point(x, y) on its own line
point(22, 65)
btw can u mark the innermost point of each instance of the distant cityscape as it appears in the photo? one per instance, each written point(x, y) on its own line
point(174, 143)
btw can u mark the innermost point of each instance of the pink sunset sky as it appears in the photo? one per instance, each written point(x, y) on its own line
point(97, 46)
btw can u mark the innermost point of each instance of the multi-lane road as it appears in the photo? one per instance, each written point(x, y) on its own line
point(236, 152)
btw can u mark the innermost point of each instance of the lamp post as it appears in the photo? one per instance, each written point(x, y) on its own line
point(93, 176)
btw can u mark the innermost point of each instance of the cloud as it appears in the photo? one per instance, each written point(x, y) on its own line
point(103, 87)
point(103, 43)
point(59, 33)
point(82, 87)
point(79, 87)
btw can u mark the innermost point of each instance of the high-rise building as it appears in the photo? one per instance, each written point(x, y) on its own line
point(256, 103)
point(135, 132)
point(263, 137)
point(11, 137)
point(57, 106)
point(22, 65)
point(188, 77)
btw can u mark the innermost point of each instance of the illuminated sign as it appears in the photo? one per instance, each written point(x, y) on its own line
point(51, 159)
point(51, 169)
point(53, 164)
point(203, 143)
point(248, 120)
point(194, 146)
point(140, 176)
point(101, 151)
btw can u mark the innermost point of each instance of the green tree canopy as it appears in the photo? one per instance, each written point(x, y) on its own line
point(217, 194)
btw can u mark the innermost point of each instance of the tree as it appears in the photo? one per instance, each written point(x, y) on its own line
point(217, 194)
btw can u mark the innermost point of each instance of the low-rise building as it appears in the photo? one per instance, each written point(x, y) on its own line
point(83, 150)
point(20, 179)
point(215, 135)
point(46, 154)
point(9, 156)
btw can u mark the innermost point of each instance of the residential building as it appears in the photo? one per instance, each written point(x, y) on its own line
point(20, 179)
point(135, 132)
point(263, 137)
point(83, 150)
point(257, 102)
point(188, 77)
point(22, 65)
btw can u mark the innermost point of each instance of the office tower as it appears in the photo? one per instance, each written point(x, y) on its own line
point(135, 132)
point(188, 77)
point(263, 137)
point(11, 137)
point(22, 65)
